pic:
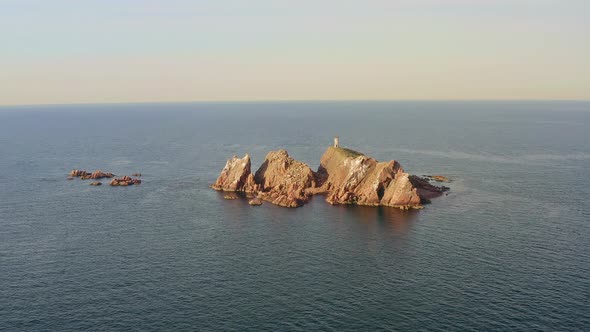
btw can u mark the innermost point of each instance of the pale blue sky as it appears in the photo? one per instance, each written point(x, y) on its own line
point(123, 51)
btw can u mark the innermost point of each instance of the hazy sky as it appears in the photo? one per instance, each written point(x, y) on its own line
point(76, 51)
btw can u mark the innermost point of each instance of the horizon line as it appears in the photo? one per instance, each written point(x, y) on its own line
point(219, 101)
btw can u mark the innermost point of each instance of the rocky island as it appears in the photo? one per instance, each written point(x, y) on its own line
point(344, 177)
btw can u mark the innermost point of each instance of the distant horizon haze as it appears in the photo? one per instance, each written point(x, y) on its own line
point(71, 52)
point(270, 101)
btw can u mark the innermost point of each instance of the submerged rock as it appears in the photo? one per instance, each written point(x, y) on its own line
point(255, 201)
point(95, 183)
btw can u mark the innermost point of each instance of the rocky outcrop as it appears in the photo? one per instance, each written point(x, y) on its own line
point(98, 174)
point(75, 173)
point(401, 192)
point(283, 180)
point(236, 176)
point(425, 189)
point(344, 176)
point(352, 178)
point(125, 181)
point(280, 179)
point(78, 173)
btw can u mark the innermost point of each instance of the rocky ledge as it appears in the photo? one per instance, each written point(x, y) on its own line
point(344, 177)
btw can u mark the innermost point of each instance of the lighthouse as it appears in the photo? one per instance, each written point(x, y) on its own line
point(336, 142)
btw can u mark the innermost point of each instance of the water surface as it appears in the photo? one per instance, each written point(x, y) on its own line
point(507, 249)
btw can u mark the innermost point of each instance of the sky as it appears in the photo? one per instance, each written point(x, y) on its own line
point(111, 51)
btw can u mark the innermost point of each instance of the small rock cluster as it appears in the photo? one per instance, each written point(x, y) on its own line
point(98, 174)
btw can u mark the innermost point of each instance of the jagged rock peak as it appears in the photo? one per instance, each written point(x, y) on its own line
point(236, 176)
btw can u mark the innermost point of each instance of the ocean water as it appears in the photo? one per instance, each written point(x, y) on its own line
point(507, 250)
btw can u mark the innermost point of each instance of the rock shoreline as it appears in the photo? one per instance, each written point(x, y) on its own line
point(344, 177)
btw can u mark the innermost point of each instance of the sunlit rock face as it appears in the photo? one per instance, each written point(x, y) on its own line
point(236, 176)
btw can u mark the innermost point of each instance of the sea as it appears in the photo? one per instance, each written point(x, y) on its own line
point(508, 249)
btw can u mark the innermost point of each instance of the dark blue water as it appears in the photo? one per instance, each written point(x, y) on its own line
point(508, 249)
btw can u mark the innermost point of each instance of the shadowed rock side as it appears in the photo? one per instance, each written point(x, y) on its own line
point(344, 176)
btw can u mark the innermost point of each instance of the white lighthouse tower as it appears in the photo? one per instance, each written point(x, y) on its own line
point(336, 142)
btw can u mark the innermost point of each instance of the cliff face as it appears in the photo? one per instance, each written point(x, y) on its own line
point(344, 176)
